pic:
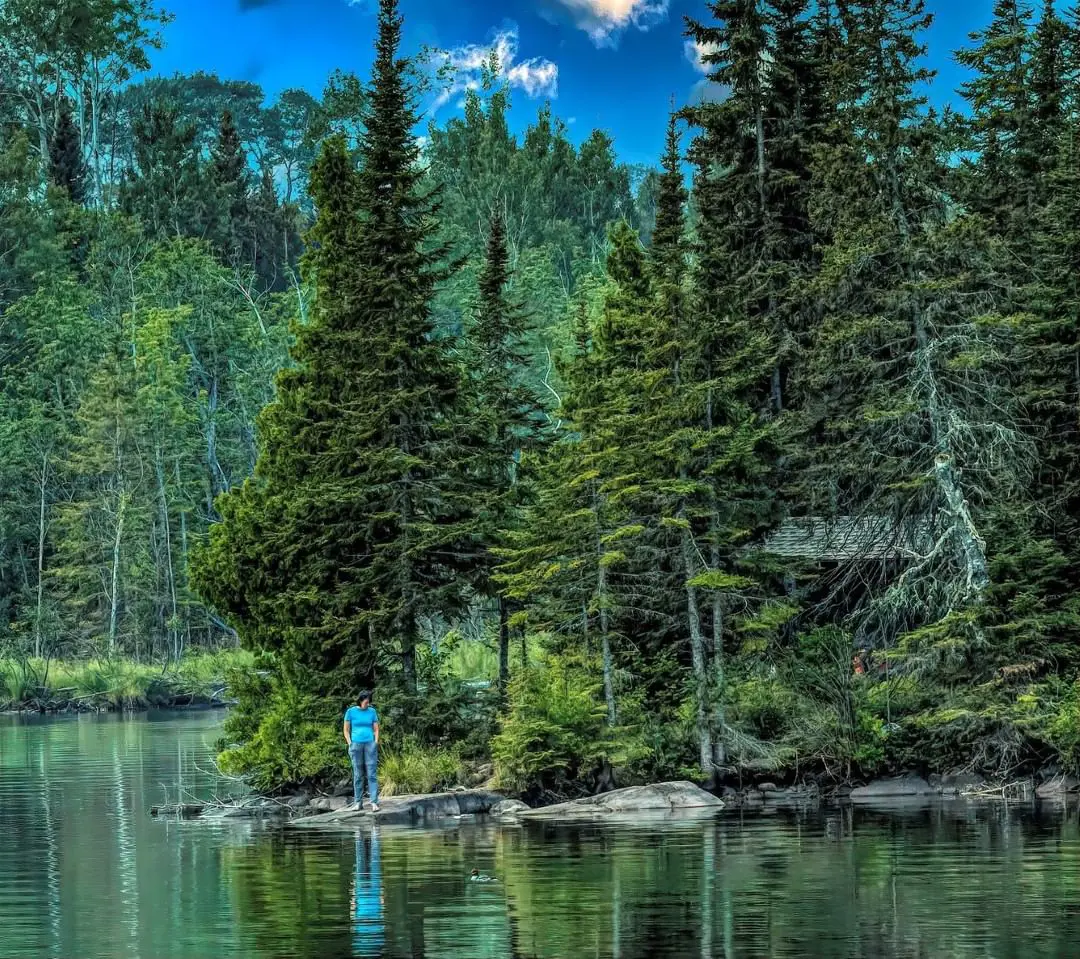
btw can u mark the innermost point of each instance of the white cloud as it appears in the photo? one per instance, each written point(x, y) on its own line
point(696, 53)
point(464, 67)
point(604, 20)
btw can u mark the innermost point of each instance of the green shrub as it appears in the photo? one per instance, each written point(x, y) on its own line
point(412, 768)
point(763, 706)
point(287, 738)
point(555, 737)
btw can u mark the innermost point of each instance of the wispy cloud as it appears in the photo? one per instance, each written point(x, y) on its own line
point(605, 20)
point(463, 67)
point(696, 52)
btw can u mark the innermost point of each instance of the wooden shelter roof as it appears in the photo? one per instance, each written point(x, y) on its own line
point(843, 539)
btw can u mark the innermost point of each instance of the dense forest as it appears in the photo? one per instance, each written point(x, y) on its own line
point(765, 460)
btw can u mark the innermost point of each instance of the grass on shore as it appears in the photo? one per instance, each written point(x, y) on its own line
point(411, 768)
point(114, 683)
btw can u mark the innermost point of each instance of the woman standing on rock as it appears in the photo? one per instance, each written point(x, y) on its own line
point(362, 734)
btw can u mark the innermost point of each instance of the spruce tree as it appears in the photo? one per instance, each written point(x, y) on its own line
point(577, 563)
point(165, 187)
point(1052, 74)
point(353, 531)
point(707, 451)
point(231, 220)
point(917, 429)
point(1048, 382)
point(67, 168)
point(507, 412)
point(1003, 123)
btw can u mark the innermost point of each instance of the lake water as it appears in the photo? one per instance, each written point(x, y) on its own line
point(85, 872)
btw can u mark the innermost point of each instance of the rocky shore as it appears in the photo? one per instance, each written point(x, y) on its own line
point(674, 798)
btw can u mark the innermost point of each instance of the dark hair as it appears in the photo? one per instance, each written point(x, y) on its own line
point(364, 694)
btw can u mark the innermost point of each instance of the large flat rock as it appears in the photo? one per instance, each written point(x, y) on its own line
point(411, 809)
point(661, 797)
point(898, 787)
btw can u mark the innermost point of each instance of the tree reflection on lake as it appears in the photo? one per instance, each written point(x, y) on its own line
point(84, 871)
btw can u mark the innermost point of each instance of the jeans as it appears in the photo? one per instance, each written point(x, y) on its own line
point(365, 759)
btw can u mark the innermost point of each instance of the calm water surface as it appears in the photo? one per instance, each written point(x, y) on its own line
point(85, 872)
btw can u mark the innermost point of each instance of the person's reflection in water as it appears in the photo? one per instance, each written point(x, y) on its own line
point(369, 934)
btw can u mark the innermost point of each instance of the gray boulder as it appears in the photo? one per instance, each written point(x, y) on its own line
point(509, 810)
point(403, 809)
point(793, 795)
point(897, 787)
point(661, 797)
point(1057, 787)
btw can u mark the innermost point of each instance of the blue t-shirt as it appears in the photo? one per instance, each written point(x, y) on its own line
point(362, 721)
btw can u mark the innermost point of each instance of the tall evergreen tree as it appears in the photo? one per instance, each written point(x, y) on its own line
point(67, 168)
point(164, 187)
point(232, 228)
point(709, 451)
point(919, 426)
point(754, 153)
point(577, 562)
point(1003, 124)
point(508, 412)
point(360, 482)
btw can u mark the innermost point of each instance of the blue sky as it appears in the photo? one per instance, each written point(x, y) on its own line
point(613, 64)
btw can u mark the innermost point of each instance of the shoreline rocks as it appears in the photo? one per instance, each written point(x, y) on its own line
point(661, 797)
point(658, 799)
point(405, 809)
point(893, 788)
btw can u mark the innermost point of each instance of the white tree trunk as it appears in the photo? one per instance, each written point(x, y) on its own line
point(697, 652)
point(114, 599)
point(41, 554)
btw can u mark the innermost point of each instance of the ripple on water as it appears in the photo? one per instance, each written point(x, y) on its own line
point(85, 872)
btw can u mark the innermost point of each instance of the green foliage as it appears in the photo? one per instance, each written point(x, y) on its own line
point(1063, 728)
point(555, 734)
point(118, 683)
point(280, 737)
point(411, 768)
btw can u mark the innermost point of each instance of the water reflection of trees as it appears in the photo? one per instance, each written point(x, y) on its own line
point(947, 882)
point(292, 895)
point(960, 882)
point(83, 870)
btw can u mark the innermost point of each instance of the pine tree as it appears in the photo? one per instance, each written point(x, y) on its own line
point(576, 563)
point(354, 530)
point(1003, 123)
point(754, 156)
point(507, 411)
point(165, 188)
point(232, 228)
point(1051, 75)
point(1046, 377)
point(707, 454)
point(274, 239)
point(67, 168)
